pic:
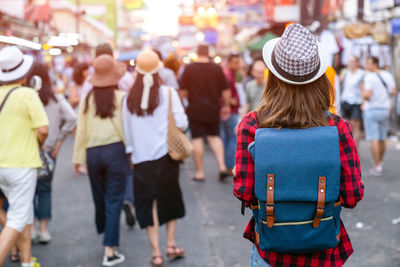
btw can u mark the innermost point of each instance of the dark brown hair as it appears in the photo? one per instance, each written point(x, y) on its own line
point(79, 69)
point(46, 92)
point(285, 105)
point(135, 96)
point(104, 99)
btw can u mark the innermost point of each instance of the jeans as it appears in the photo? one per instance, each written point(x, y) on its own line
point(228, 137)
point(42, 198)
point(129, 189)
point(256, 260)
point(108, 170)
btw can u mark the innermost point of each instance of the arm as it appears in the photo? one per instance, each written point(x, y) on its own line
point(68, 117)
point(79, 154)
point(243, 181)
point(180, 117)
point(73, 95)
point(366, 89)
point(351, 187)
point(41, 134)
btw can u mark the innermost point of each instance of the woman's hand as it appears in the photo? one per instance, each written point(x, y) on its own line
point(76, 169)
point(56, 150)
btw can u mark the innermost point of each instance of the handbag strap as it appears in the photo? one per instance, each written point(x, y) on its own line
point(171, 119)
point(384, 83)
point(7, 95)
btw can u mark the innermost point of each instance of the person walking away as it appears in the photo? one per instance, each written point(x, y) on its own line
point(167, 75)
point(203, 83)
point(158, 197)
point(23, 128)
point(254, 89)
point(124, 84)
point(62, 121)
point(99, 143)
point(379, 86)
point(228, 123)
point(352, 79)
point(79, 76)
point(296, 100)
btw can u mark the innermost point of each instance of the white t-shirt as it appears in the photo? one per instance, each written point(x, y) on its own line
point(328, 40)
point(351, 87)
point(380, 97)
point(146, 136)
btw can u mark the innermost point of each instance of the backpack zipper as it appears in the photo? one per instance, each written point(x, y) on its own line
point(298, 223)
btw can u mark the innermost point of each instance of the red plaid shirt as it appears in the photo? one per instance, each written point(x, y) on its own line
point(351, 191)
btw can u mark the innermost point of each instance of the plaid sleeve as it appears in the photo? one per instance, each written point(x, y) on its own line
point(243, 181)
point(351, 187)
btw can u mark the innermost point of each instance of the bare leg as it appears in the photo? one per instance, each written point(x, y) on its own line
point(24, 244)
point(3, 215)
point(171, 231)
point(198, 153)
point(218, 149)
point(43, 225)
point(8, 237)
point(376, 153)
point(382, 149)
point(154, 235)
point(356, 128)
point(108, 251)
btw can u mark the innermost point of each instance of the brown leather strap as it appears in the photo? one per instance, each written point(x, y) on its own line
point(321, 201)
point(269, 207)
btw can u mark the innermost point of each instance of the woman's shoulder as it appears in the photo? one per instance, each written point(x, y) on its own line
point(250, 120)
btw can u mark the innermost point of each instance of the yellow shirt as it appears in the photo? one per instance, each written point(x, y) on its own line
point(22, 114)
point(94, 131)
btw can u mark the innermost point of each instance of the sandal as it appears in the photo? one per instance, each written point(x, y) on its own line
point(177, 254)
point(15, 258)
point(153, 258)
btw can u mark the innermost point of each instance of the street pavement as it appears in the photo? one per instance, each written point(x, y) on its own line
point(211, 232)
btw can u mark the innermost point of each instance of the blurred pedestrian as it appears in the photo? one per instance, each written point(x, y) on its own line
point(172, 62)
point(379, 87)
point(295, 98)
point(23, 128)
point(352, 79)
point(62, 121)
point(255, 88)
point(68, 74)
point(158, 197)
point(124, 84)
point(203, 83)
point(79, 76)
point(126, 81)
point(228, 123)
point(167, 75)
point(99, 143)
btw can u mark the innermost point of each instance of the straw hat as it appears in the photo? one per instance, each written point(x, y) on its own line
point(107, 72)
point(296, 57)
point(356, 30)
point(14, 65)
point(147, 63)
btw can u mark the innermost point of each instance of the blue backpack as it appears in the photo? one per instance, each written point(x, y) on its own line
point(297, 183)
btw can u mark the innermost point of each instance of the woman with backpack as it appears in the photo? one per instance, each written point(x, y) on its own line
point(99, 143)
point(62, 121)
point(158, 197)
point(296, 163)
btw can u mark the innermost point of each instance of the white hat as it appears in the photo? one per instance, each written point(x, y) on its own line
point(297, 57)
point(14, 65)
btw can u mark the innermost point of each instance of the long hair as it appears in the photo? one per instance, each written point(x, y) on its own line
point(104, 100)
point(79, 69)
point(46, 92)
point(135, 96)
point(285, 105)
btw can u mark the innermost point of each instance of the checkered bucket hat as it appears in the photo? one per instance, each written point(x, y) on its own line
point(296, 57)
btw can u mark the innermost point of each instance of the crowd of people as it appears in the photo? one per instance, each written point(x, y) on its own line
point(120, 121)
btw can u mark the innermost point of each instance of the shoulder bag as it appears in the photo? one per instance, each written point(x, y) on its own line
point(179, 146)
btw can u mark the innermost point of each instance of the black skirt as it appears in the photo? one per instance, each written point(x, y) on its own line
point(158, 179)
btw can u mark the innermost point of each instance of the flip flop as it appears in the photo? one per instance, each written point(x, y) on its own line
point(176, 255)
point(156, 257)
point(15, 258)
point(198, 179)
